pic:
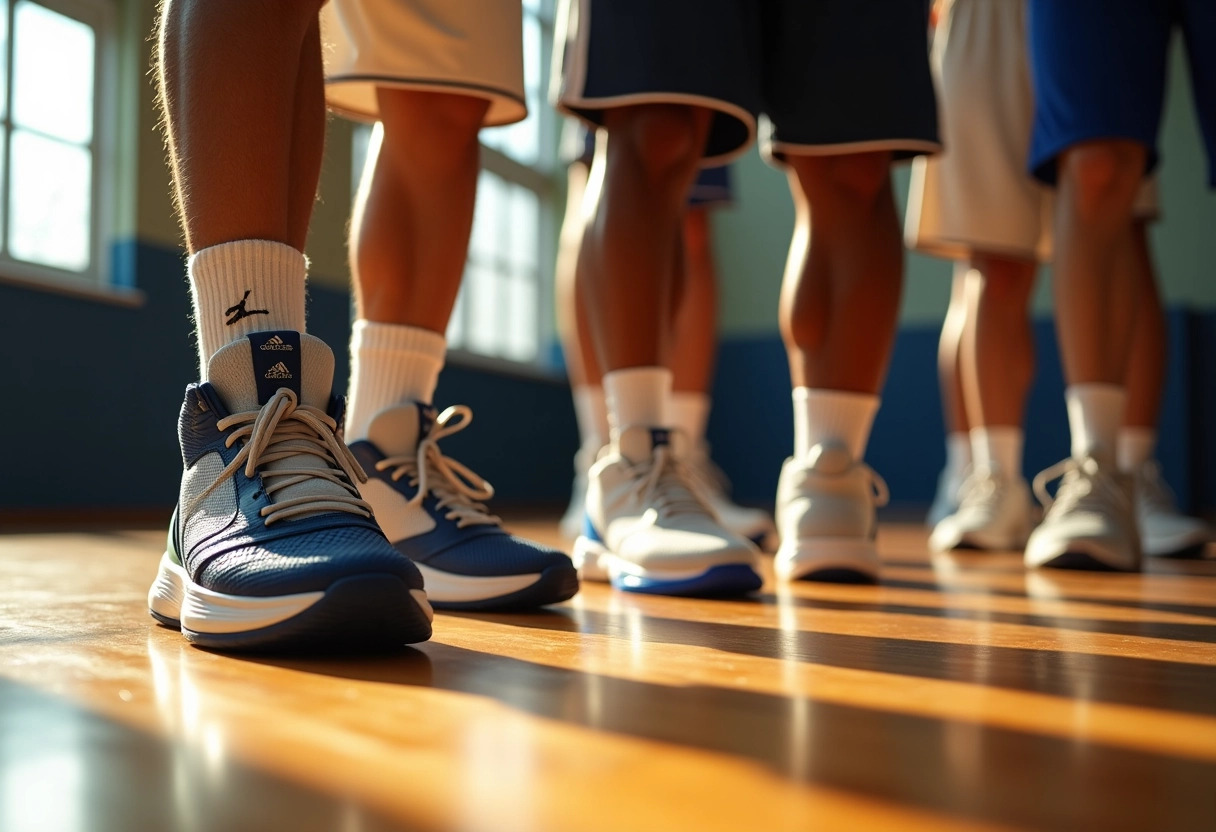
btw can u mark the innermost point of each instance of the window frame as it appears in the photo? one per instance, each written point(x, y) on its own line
point(542, 178)
point(97, 280)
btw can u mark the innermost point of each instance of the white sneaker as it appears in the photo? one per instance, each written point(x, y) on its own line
point(1091, 523)
point(571, 525)
point(713, 487)
point(826, 517)
point(994, 514)
point(1164, 531)
point(946, 499)
point(649, 531)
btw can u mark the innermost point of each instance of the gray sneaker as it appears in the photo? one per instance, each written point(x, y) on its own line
point(1091, 522)
point(826, 517)
point(994, 515)
point(1165, 532)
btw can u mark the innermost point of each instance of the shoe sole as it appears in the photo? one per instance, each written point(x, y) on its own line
point(465, 593)
point(828, 560)
point(363, 612)
point(1078, 558)
point(595, 563)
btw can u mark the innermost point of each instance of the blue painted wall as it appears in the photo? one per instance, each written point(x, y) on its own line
point(92, 391)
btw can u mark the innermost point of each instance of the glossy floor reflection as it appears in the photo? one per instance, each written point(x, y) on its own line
point(961, 693)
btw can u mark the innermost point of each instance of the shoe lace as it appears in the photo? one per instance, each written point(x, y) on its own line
point(1080, 481)
point(666, 482)
point(882, 493)
point(282, 429)
point(455, 486)
point(980, 490)
point(706, 478)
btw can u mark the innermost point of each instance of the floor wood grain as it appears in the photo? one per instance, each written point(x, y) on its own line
point(961, 693)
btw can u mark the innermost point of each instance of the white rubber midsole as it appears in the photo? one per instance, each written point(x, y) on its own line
point(200, 610)
point(802, 557)
point(595, 563)
point(445, 587)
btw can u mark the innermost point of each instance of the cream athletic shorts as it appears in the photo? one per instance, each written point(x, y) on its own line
point(979, 195)
point(467, 47)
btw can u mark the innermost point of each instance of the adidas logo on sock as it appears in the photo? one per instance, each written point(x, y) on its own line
point(278, 371)
point(277, 343)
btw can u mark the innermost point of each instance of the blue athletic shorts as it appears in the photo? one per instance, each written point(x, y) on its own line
point(831, 76)
point(1099, 69)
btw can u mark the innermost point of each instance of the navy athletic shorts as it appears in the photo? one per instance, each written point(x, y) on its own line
point(1099, 70)
point(829, 76)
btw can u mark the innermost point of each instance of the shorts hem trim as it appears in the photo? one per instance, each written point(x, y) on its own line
point(485, 91)
point(573, 105)
point(841, 148)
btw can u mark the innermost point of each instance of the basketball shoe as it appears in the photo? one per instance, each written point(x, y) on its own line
point(826, 517)
point(1164, 531)
point(947, 498)
point(648, 530)
point(994, 514)
point(712, 485)
point(431, 507)
point(1091, 522)
point(270, 546)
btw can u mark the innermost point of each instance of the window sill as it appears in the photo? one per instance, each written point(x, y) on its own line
point(47, 281)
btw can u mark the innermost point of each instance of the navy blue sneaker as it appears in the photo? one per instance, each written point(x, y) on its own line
point(271, 547)
point(431, 507)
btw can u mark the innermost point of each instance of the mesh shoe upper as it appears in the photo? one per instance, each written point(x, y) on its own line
point(430, 505)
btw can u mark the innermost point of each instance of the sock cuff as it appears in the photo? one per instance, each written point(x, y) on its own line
point(400, 338)
point(846, 398)
point(248, 261)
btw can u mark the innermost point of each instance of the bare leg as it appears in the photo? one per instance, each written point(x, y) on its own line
point(414, 211)
point(949, 346)
point(239, 81)
point(1146, 363)
point(998, 350)
point(696, 321)
point(840, 297)
point(581, 366)
point(630, 246)
point(1095, 302)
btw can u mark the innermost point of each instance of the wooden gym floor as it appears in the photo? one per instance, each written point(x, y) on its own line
point(963, 693)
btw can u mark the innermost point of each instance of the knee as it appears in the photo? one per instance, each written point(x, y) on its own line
point(662, 137)
point(858, 177)
point(1100, 178)
point(441, 126)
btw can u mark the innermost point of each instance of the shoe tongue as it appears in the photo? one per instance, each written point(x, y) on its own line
point(249, 371)
point(638, 442)
point(830, 458)
point(397, 430)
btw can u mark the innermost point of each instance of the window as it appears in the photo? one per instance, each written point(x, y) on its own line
point(505, 307)
point(53, 169)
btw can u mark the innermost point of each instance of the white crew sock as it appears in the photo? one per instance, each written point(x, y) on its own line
point(1135, 447)
point(390, 364)
point(998, 448)
point(822, 415)
point(591, 413)
point(638, 396)
point(1095, 414)
point(690, 413)
point(242, 287)
point(958, 454)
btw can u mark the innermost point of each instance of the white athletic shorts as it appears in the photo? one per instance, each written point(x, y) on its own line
point(978, 195)
point(467, 47)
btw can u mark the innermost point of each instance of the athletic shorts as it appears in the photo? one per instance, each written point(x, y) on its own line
point(712, 188)
point(1100, 73)
point(977, 195)
point(829, 76)
point(466, 47)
